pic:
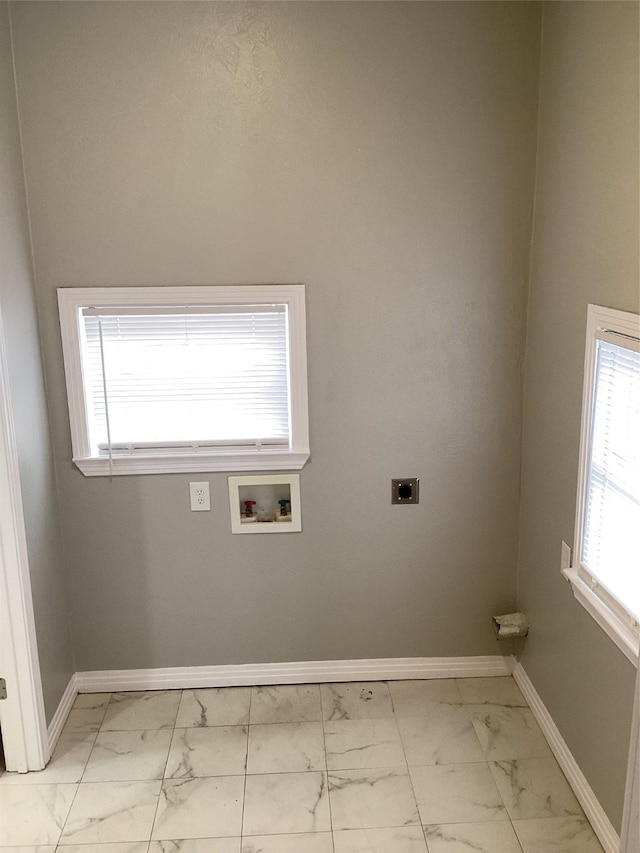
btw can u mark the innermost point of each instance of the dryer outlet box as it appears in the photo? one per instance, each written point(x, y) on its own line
point(405, 491)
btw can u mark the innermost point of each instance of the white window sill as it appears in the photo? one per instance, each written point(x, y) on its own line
point(256, 460)
point(621, 629)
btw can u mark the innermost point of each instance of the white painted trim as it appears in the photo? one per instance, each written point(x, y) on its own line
point(305, 672)
point(70, 304)
point(62, 712)
point(22, 714)
point(202, 462)
point(621, 630)
point(596, 815)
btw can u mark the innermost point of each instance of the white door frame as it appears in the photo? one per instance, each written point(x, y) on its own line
point(22, 714)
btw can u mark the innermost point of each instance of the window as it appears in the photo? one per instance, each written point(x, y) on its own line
point(170, 379)
point(606, 570)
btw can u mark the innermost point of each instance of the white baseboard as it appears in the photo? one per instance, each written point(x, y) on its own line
point(596, 815)
point(62, 712)
point(305, 672)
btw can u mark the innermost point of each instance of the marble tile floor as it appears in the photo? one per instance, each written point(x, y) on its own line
point(442, 766)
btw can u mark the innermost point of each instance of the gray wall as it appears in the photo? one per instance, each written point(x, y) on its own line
point(382, 154)
point(28, 399)
point(585, 250)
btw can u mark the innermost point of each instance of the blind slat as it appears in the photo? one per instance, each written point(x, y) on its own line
point(176, 376)
point(612, 517)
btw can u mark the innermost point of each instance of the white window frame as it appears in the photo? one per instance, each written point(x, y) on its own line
point(71, 301)
point(615, 619)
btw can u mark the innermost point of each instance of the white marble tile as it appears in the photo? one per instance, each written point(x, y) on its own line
point(196, 845)
point(357, 744)
point(125, 847)
point(534, 788)
point(443, 736)
point(286, 802)
point(358, 700)
point(154, 709)
point(491, 691)
point(34, 814)
point(361, 799)
point(285, 748)
point(87, 713)
point(111, 811)
point(287, 703)
point(507, 733)
point(415, 698)
point(404, 839)
point(491, 837)
point(124, 756)
point(66, 766)
point(92, 701)
point(213, 751)
point(200, 808)
point(215, 706)
point(83, 720)
point(307, 842)
point(557, 835)
point(456, 793)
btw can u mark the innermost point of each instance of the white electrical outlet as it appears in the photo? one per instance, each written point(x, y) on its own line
point(199, 497)
point(565, 556)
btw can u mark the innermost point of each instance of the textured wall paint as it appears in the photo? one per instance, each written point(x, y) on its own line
point(585, 250)
point(28, 399)
point(382, 154)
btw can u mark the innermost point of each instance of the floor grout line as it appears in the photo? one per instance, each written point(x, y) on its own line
point(415, 796)
point(64, 825)
point(162, 779)
point(246, 767)
point(326, 765)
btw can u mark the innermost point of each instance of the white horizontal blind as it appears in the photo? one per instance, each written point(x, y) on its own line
point(188, 378)
point(611, 551)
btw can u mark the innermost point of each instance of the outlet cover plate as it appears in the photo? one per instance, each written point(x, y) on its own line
point(565, 556)
point(405, 491)
point(199, 498)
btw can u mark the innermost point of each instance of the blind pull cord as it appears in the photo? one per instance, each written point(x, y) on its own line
point(106, 400)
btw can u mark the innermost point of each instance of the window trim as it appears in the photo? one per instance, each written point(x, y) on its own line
point(617, 622)
point(70, 303)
